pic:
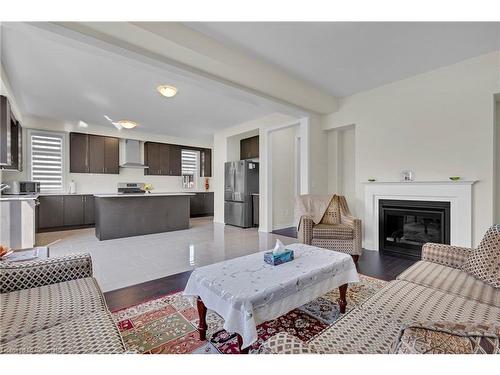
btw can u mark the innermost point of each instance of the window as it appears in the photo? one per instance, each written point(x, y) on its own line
point(189, 160)
point(47, 160)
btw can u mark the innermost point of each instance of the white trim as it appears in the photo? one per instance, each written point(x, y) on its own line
point(459, 194)
point(283, 226)
point(304, 137)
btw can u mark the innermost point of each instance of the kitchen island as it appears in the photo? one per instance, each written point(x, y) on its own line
point(126, 215)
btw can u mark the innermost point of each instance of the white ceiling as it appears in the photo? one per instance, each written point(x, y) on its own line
point(59, 78)
point(348, 57)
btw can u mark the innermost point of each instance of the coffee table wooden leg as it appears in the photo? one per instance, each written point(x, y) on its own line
point(202, 314)
point(240, 343)
point(342, 300)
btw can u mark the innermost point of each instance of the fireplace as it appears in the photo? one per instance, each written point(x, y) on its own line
point(405, 225)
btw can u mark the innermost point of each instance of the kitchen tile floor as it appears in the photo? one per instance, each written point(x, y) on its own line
point(128, 261)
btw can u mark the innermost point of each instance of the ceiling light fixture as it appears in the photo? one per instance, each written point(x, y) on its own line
point(127, 124)
point(167, 91)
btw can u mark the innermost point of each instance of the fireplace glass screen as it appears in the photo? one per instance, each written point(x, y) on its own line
point(406, 225)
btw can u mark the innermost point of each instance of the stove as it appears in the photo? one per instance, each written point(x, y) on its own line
point(131, 188)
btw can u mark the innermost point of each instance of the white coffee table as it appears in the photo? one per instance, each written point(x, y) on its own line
point(246, 291)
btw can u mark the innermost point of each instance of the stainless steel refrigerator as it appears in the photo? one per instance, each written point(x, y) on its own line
point(241, 180)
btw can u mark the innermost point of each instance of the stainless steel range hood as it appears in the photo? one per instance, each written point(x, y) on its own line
point(130, 154)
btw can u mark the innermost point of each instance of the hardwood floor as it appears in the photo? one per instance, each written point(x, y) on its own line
point(371, 263)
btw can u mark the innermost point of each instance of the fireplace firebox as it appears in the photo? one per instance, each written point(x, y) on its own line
point(405, 225)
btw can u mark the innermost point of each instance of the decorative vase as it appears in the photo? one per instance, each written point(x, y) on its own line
point(207, 183)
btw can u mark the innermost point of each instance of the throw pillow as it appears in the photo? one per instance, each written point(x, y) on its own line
point(484, 262)
point(448, 338)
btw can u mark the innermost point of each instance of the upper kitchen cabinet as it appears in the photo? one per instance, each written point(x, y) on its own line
point(249, 148)
point(206, 162)
point(11, 143)
point(162, 159)
point(153, 158)
point(94, 154)
point(175, 164)
point(111, 155)
point(78, 153)
point(5, 130)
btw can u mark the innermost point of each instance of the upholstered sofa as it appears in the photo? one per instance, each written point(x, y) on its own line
point(55, 306)
point(338, 229)
point(449, 302)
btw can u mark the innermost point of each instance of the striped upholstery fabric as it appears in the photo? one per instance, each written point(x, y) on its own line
point(374, 327)
point(345, 236)
point(451, 280)
point(30, 310)
point(55, 306)
point(432, 290)
point(24, 275)
point(93, 333)
point(447, 255)
point(338, 231)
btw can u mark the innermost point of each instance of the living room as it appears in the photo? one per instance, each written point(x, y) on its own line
point(255, 188)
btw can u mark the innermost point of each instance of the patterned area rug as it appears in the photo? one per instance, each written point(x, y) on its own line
point(167, 325)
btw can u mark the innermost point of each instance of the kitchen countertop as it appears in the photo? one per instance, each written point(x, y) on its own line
point(141, 195)
point(98, 194)
point(7, 198)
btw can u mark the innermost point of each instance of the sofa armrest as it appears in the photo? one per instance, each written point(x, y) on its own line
point(31, 274)
point(305, 231)
point(448, 338)
point(284, 343)
point(447, 255)
point(355, 223)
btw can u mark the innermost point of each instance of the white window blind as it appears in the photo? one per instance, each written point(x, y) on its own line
point(189, 162)
point(47, 161)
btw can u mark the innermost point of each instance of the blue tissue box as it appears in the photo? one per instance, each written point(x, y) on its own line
point(276, 260)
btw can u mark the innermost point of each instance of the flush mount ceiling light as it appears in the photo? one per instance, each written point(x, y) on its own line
point(127, 124)
point(167, 91)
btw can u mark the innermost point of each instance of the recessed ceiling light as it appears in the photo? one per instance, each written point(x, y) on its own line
point(167, 91)
point(127, 124)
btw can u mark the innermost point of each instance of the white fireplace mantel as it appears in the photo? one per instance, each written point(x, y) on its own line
point(458, 193)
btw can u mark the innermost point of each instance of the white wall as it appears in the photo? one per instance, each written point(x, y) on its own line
point(220, 156)
point(283, 143)
point(234, 144)
point(437, 124)
point(104, 183)
point(341, 164)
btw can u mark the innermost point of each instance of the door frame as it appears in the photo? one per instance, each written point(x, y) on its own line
point(265, 205)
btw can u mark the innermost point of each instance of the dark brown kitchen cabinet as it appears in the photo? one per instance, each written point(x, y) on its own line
point(202, 204)
point(175, 163)
point(91, 153)
point(206, 162)
point(65, 211)
point(50, 211)
point(5, 131)
point(88, 210)
point(78, 153)
point(11, 144)
point(96, 154)
point(152, 158)
point(16, 147)
point(73, 210)
point(162, 159)
point(249, 148)
point(111, 155)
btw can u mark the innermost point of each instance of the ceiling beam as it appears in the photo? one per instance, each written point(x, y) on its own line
point(193, 53)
